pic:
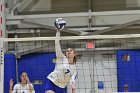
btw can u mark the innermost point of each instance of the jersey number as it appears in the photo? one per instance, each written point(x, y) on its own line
point(68, 71)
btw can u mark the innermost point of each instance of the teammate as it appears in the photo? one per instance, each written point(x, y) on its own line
point(23, 87)
point(65, 69)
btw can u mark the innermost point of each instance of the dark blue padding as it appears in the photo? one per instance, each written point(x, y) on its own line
point(9, 70)
point(128, 72)
point(38, 66)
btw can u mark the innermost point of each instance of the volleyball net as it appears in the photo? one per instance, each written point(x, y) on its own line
point(105, 63)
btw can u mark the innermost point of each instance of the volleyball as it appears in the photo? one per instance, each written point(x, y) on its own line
point(59, 23)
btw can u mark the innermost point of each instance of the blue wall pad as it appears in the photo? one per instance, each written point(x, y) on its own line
point(38, 66)
point(128, 72)
point(9, 70)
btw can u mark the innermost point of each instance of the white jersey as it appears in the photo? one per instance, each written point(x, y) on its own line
point(18, 88)
point(63, 72)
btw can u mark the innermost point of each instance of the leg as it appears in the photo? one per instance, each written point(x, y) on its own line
point(49, 91)
point(49, 87)
point(59, 90)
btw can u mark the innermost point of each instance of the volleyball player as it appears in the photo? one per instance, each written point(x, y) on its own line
point(65, 69)
point(23, 87)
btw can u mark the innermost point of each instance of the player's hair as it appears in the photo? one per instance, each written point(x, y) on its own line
point(75, 57)
point(21, 74)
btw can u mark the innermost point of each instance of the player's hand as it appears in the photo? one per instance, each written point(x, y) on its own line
point(73, 88)
point(28, 81)
point(58, 30)
point(11, 82)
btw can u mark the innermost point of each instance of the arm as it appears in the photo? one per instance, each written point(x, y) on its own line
point(73, 88)
point(11, 85)
point(30, 85)
point(14, 90)
point(72, 81)
point(59, 54)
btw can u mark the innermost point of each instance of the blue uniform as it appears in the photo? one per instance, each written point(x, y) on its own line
point(51, 86)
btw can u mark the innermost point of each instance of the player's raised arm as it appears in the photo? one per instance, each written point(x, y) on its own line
point(11, 86)
point(59, 54)
point(59, 25)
